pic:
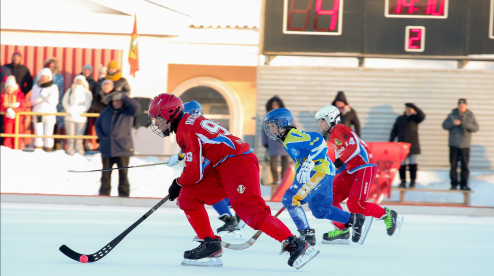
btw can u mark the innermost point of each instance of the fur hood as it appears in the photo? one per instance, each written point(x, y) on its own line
point(57, 64)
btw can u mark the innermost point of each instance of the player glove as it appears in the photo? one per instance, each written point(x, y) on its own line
point(174, 160)
point(303, 175)
point(174, 190)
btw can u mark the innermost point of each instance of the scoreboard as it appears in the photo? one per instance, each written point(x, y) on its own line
point(408, 28)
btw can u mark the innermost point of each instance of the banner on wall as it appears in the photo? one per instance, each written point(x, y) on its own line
point(388, 156)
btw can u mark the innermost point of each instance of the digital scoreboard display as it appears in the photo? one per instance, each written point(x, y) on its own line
point(417, 8)
point(453, 28)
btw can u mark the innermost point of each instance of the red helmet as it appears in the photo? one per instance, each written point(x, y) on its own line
point(167, 106)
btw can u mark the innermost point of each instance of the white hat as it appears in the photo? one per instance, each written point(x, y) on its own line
point(11, 82)
point(46, 72)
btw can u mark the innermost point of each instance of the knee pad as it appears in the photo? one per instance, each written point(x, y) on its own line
point(356, 206)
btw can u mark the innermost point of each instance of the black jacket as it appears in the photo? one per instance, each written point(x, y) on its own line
point(93, 85)
point(114, 129)
point(406, 129)
point(349, 117)
point(22, 76)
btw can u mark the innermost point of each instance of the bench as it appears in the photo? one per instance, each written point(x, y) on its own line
point(403, 191)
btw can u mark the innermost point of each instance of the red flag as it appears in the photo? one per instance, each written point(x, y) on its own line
point(133, 51)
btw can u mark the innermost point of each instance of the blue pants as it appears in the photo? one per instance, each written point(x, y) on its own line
point(222, 207)
point(320, 199)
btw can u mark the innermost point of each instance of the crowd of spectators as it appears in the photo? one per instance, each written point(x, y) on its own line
point(44, 92)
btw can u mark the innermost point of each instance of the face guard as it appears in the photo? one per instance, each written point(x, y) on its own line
point(162, 110)
point(278, 118)
point(274, 124)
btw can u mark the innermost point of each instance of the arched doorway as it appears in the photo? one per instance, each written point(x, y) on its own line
point(213, 94)
point(214, 106)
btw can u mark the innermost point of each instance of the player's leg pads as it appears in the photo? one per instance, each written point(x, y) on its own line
point(208, 253)
point(300, 251)
point(337, 236)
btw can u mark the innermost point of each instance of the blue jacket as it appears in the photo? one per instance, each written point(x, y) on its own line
point(114, 129)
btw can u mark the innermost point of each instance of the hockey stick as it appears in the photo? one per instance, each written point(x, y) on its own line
point(122, 168)
point(250, 242)
point(107, 248)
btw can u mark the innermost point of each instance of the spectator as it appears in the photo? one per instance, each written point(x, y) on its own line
point(12, 101)
point(44, 98)
point(101, 75)
point(114, 74)
point(461, 123)
point(275, 149)
point(114, 133)
point(22, 75)
point(4, 73)
point(406, 129)
point(76, 101)
point(348, 115)
point(87, 71)
point(54, 66)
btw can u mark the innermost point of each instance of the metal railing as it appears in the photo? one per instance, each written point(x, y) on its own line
point(16, 134)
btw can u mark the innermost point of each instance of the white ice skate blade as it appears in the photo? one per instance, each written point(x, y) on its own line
point(340, 241)
point(366, 227)
point(310, 253)
point(212, 262)
point(241, 224)
point(230, 235)
point(196, 239)
point(399, 223)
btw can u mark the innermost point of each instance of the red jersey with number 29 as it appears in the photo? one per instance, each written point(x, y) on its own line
point(199, 138)
point(351, 151)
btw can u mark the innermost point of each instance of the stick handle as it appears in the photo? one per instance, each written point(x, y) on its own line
point(122, 168)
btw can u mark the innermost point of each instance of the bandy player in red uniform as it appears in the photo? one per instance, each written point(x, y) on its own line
point(234, 173)
point(358, 171)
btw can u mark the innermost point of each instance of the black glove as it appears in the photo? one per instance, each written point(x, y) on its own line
point(174, 190)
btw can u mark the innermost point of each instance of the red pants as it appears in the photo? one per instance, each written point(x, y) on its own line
point(238, 179)
point(9, 128)
point(356, 188)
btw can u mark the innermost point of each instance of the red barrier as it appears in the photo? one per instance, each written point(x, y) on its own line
point(388, 156)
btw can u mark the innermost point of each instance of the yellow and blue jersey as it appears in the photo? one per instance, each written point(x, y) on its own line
point(302, 145)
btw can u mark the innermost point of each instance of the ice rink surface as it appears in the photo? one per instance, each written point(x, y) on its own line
point(427, 245)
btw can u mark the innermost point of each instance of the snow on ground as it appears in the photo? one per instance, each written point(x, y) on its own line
point(428, 245)
point(47, 173)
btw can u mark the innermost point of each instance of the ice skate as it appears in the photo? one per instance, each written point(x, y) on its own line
point(393, 222)
point(241, 223)
point(300, 251)
point(230, 229)
point(337, 236)
point(308, 235)
point(208, 253)
point(360, 225)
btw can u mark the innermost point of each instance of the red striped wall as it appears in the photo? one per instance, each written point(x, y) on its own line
point(70, 60)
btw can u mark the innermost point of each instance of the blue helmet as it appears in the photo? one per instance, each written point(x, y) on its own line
point(193, 107)
point(280, 117)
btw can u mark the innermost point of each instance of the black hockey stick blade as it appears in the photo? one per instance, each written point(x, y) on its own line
point(91, 258)
point(250, 242)
point(122, 168)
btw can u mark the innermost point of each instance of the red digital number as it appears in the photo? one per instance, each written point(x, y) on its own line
point(293, 11)
point(333, 13)
point(326, 17)
point(417, 8)
point(414, 39)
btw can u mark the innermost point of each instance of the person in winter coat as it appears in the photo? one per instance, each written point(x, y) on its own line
point(87, 71)
point(114, 74)
point(348, 115)
point(406, 129)
point(44, 98)
point(101, 75)
point(12, 100)
point(76, 101)
point(4, 73)
point(54, 66)
point(113, 127)
point(275, 149)
point(461, 123)
point(22, 75)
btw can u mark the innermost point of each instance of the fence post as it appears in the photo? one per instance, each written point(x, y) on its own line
point(16, 132)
